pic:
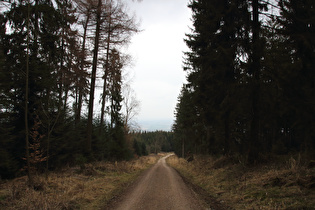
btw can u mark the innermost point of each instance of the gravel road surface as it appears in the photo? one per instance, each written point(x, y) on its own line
point(161, 188)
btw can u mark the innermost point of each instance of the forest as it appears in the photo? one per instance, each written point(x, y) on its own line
point(54, 56)
point(250, 91)
point(147, 142)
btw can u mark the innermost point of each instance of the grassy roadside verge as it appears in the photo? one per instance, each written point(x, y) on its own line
point(286, 184)
point(74, 188)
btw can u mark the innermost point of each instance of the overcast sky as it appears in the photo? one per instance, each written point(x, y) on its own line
point(157, 53)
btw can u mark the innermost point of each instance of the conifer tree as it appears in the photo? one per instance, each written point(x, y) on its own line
point(119, 148)
point(297, 21)
point(220, 28)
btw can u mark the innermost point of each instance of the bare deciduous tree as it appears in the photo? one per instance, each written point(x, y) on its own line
point(131, 108)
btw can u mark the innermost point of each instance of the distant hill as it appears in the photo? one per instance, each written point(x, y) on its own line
point(153, 125)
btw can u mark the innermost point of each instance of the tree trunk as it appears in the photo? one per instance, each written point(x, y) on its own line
point(48, 148)
point(106, 71)
point(183, 148)
point(67, 88)
point(255, 69)
point(88, 146)
point(61, 73)
point(103, 100)
point(30, 179)
point(65, 100)
point(79, 104)
point(227, 132)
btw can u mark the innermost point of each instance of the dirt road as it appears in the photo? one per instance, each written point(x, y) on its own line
point(161, 187)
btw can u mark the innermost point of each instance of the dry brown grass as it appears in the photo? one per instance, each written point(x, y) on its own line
point(289, 185)
point(74, 188)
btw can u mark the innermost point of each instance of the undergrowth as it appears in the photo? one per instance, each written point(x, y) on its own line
point(88, 187)
point(279, 184)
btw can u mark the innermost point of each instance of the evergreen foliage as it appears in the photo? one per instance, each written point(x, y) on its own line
point(250, 73)
point(59, 80)
point(147, 142)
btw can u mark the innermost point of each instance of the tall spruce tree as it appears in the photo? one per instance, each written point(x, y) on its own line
point(255, 56)
point(219, 27)
point(8, 164)
point(44, 60)
point(297, 21)
point(188, 125)
point(118, 142)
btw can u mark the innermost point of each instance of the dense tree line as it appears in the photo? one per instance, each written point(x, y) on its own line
point(251, 77)
point(53, 54)
point(147, 142)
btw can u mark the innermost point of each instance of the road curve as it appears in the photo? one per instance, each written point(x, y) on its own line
point(160, 187)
